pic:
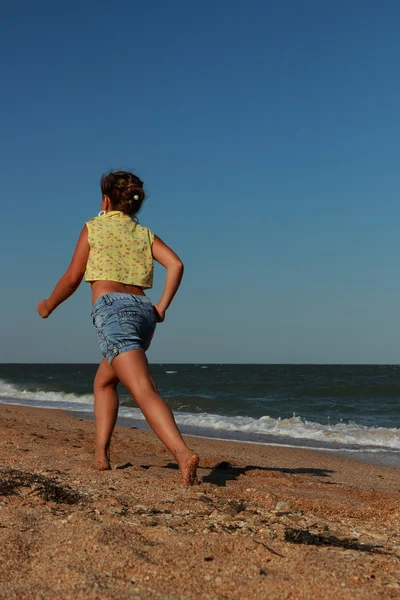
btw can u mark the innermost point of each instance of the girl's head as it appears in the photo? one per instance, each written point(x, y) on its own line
point(122, 191)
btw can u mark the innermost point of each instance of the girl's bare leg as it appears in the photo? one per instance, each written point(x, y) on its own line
point(106, 403)
point(132, 369)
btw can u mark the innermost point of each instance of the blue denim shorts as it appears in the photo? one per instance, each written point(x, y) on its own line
point(123, 322)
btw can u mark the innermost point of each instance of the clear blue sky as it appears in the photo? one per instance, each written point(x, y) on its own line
point(267, 134)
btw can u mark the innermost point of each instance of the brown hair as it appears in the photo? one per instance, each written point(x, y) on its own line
point(125, 191)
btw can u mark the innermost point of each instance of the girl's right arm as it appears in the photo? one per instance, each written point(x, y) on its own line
point(70, 281)
point(168, 259)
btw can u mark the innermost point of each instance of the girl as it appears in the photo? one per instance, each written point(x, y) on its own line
point(117, 255)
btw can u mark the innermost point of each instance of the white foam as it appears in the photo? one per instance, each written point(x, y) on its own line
point(297, 428)
point(7, 390)
point(170, 372)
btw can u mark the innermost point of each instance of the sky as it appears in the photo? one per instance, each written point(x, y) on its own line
point(267, 135)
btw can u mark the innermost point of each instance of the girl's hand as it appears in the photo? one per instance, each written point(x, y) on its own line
point(160, 314)
point(44, 309)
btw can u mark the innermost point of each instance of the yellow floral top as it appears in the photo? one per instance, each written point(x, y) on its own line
point(120, 250)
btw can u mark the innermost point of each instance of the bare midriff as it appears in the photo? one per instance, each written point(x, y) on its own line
point(99, 288)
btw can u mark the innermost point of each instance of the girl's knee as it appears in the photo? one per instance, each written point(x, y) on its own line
point(142, 391)
point(101, 383)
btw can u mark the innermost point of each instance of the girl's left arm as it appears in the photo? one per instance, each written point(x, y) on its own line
point(71, 279)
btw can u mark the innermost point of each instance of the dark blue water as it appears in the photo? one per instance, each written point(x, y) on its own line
point(327, 406)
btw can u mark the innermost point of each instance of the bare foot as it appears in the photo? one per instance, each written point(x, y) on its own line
point(102, 461)
point(188, 464)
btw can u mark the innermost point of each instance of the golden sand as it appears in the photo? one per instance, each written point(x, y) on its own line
point(264, 521)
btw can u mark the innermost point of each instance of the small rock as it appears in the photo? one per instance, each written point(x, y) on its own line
point(208, 558)
point(207, 577)
point(233, 507)
point(205, 499)
point(229, 518)
point(295, 518)
point(139, 508)
point(151, 523)
point(282, 508)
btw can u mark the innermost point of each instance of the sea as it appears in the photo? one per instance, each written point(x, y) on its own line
point(351, 410)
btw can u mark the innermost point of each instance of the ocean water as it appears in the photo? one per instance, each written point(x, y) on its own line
point(352, 409)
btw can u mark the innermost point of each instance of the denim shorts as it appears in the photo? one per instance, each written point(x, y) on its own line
point(123, 322)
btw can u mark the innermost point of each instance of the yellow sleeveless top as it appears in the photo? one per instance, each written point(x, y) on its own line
point(120, 250)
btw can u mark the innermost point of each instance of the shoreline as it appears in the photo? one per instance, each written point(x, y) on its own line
point(265, 521)
point(379, 455)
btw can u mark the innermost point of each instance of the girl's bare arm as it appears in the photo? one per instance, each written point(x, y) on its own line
point(168, 259)
point(71, 279)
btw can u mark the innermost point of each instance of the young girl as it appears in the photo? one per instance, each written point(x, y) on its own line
point(117, 255)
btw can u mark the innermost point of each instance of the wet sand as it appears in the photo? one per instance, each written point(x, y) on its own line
point(265, 521)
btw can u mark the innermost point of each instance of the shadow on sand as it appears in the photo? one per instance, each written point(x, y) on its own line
point(224, 471)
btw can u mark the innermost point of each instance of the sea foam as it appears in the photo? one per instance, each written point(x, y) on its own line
point(295, 428)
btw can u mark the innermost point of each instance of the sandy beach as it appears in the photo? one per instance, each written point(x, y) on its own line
point(265, 521)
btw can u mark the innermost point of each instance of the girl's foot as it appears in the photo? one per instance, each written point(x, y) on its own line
point(188, 464)
point(102, 460)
